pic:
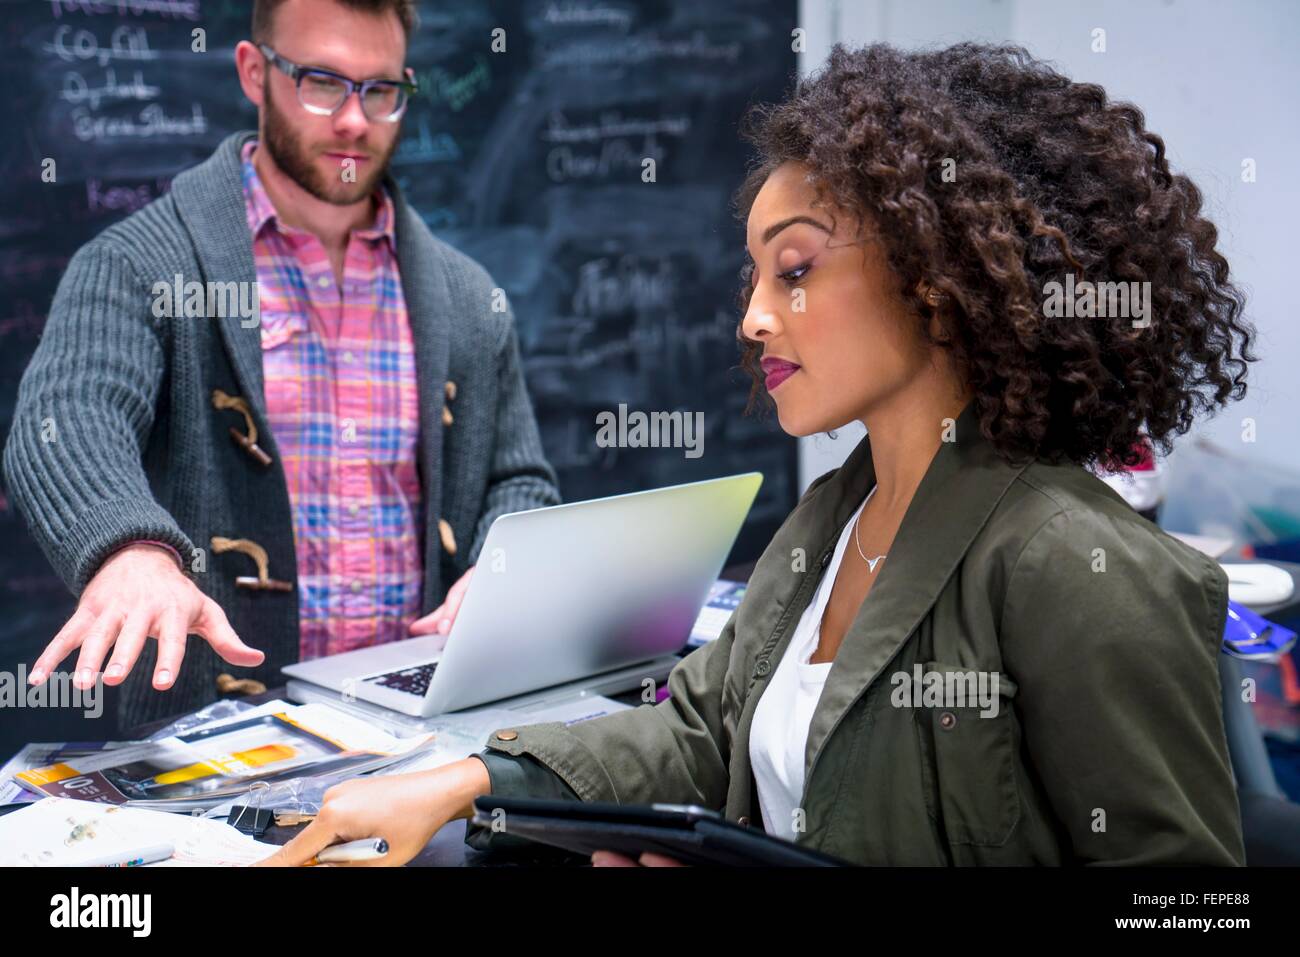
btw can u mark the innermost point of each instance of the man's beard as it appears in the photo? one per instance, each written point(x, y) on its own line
point(294, 159)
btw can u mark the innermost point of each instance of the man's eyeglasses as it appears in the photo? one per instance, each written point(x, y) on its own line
point(324, 92)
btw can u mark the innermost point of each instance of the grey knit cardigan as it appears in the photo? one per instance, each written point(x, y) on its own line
point(116, 435)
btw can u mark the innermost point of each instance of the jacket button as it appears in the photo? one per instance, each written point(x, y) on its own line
point(743, 821)
point(947, 720)
point(447, 535)
point(507, 735)
point(762, 667)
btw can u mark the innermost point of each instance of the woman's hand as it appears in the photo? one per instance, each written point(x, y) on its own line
point(610, 859)
point(404, 809)
point(439, 621)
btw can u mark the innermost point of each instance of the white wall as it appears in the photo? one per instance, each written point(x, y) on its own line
point(1219, 83)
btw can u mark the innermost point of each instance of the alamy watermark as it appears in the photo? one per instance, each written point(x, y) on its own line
point(946, 689)
point(199, 300)
point(669, 430)
point(130, 911)
point(1098, 300)
point(57, 691)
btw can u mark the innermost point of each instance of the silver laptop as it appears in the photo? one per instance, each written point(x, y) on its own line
point(570, 596)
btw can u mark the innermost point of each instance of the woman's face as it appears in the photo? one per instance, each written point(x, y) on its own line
point(838, 339)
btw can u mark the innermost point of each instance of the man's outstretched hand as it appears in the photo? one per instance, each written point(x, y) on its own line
point(140, 593)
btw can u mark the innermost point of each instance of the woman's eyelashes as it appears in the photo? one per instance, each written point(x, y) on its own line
point(796, 275)
point(792, 277)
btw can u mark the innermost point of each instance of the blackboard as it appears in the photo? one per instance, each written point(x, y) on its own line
point(528, 160)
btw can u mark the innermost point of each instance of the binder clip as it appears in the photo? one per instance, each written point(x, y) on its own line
point(251, 818)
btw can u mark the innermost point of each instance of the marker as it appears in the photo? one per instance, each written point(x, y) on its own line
point(155, 852)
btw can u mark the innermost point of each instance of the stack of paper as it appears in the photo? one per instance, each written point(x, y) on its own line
point(61, 832)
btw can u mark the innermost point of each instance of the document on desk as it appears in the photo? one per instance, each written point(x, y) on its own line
point(62, 832)
point(40, 754)
point(208, 765)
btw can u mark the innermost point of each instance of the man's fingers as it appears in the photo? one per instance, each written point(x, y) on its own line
point(130, 641)
point(96, 642)
point(214, 626)
point(429, 623)
point(457, 594)
point(171, 648)
point(68, 638)
point(439, 620)
point(313, 838)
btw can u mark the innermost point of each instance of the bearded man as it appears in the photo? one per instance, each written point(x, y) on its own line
point(297, 479)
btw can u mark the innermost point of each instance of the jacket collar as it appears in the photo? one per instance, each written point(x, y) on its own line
point(963, 485)
point(957, 495)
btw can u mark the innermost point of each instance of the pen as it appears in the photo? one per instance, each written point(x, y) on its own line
point(364, 850)
point(148, 855)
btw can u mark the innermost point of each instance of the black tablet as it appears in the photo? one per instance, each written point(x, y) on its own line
point(692, 835)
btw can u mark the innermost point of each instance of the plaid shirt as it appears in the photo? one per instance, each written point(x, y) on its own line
point(342, 403)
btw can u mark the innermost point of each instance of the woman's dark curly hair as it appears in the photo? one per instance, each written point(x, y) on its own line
point(1050, 177)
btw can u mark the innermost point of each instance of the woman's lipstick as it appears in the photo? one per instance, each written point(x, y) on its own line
point(777, 371)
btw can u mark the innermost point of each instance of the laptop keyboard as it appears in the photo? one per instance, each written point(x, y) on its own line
point(410, 680)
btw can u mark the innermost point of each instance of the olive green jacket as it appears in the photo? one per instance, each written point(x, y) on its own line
point(1109, 744)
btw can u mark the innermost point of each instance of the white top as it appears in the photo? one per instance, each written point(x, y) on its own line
point(778, 737)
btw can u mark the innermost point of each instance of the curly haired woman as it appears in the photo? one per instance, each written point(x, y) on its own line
point(961, 647)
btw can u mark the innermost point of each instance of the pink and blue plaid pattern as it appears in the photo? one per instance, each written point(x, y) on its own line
point(342, 403)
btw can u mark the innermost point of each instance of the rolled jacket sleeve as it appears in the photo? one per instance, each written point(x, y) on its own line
point(1112, 631)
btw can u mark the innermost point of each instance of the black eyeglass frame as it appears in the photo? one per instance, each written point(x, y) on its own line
point(297, 72)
